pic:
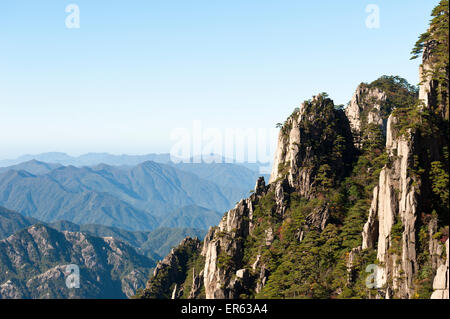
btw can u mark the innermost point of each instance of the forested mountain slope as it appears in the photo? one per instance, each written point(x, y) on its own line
point(367, 186)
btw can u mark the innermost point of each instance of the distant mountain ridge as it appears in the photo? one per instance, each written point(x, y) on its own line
point(91, 159)
point(11, 222)
point(135, 198)
point(88, 159)
point(33, 166)
point(153, 244)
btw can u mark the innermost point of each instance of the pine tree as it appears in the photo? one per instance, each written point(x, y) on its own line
point(434, 46)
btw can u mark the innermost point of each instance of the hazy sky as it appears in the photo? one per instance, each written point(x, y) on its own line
point(136, 70)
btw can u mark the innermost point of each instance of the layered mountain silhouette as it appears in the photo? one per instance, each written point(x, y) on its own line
point(88, 159)
point(154, 244)
point(140, 197)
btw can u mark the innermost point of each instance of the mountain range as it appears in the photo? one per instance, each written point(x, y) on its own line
point(88, 159)
point(114, 222)
point(356, 207)
point(34, 264)
point(154, 244)
point(91, 159)
point(113, 262)
point(137, 197)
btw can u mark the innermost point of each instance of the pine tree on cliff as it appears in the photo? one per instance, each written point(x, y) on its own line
point(434, 47)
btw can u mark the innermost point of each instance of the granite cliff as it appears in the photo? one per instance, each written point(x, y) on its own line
point(356, 205)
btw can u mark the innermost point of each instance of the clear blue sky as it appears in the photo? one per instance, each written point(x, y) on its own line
point(137, 69)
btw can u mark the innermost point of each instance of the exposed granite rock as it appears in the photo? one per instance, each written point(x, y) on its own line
point(426, 88)
point(395, 201)
point(370, 230)
point(197, 282)
point(305, 144)
point(262, 279)
point(287, 148)
point(365, 108)
point(319, 217)
point(295, 164)
point(36, 259)
point(177, 292)
point(13, 289)
point(294, 170)
point(441, 280)
point(223, 249)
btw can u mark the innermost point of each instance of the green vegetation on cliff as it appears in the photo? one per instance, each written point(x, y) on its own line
point(434, 46)
point(305, 229)
point(176, 270)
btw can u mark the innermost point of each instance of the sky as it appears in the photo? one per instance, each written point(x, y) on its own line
point(135, 72)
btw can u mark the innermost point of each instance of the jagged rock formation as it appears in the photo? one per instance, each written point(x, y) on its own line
point(331, 209)
point(223, 249)
point(403, 196)
point(395, 202)
point(300, 144)
point(367, 106)
point(233, 267)
point(170, 273)
point(441, 280)
point(152, 244)
point(305, 166)
point(34, 262)
point(301, 168)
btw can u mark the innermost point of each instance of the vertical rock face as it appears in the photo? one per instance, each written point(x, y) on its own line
point(315, 153)
point(427, 87)
point(365, 108)
point(287, 149)
point(223, 246)
point(370, 230)
point(223, 249)
point(309, 133)
point(430, 87)
point(197, 282)
point(395, 203)
point(441, 280)
point(326, 163)
point(302, 139)
point(393, 223)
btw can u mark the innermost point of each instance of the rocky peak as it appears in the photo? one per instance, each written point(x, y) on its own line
point(223, 249)
point(300, 235)
point(176, 254)
point(365, 108)
point(316, 136)
point(315, 139)
point(260, 185)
